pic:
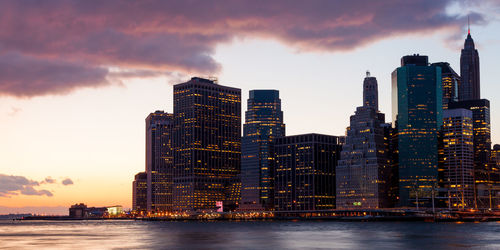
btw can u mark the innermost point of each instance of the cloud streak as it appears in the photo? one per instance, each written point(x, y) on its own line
point(56, 46)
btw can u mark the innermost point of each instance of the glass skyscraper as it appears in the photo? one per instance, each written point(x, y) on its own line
point(159, 161)
point(417, 115)
point(207, 146)
point(263, 123)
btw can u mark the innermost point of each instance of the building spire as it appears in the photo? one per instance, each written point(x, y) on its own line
point(468, 24)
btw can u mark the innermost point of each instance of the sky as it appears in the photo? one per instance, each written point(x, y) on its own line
point(78, 78)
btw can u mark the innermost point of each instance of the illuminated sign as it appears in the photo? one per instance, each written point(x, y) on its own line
point(219, 206)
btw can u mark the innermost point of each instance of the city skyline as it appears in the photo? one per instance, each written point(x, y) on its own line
point(89, 167)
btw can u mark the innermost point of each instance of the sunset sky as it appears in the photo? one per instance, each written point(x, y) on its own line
point(78, 78)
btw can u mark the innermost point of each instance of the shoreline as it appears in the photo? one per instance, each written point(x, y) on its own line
point(326, 218)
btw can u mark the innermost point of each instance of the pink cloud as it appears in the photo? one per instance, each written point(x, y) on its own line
point(181, 36)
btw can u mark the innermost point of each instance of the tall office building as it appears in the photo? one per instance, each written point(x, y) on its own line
point(305, 172)
point(458, 158)
point(263, 123)
point(159, 161)
point(207, 143)
point(469, 71)
point(364, 170)
point(482, 145)
point(450, 81)
point(417, 112)
point(140, 193)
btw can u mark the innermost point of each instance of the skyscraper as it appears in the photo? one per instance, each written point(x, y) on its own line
point(417, 115)
point(450, 81)
point(263, 123)
point(207, 141)
point(495, 177)
point(469, 71)
point(364, 170)
point(140, 193)
point(482, 145)
point(159, 161)
point(305, 172)
point(458, 157)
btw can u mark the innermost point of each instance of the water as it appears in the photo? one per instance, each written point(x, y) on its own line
point(247, 235)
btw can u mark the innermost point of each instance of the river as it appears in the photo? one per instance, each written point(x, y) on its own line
point(247, 235)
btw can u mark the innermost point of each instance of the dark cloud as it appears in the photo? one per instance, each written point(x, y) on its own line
point(181, 36)
point(67, 181)
point(16, 185)
point(25, 76)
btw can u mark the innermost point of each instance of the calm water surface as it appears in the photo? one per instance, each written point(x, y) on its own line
point(247, 235)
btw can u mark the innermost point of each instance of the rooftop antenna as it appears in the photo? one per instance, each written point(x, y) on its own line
point(213, 79)
point(367, 73)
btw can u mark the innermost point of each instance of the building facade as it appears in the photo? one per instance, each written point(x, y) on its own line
point(263, 123)
point(450, 82)
point(482, 146)
point(370, 92)
point(417, 112)
point(207, 145)
point(364, 171)
point(305, 172)
point(494, 194)
point(140, 193)
point(469, 71)
point(458, 158)
point(159, 161)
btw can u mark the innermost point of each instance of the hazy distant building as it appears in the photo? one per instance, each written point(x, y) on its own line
point(207, 142)
point(469, 71)
point(140, 192)
point(417, 115)
point(482, 145)
point(364, 170)
point(263, 123)
point(458, 158)
point(305, 172)
point(159, 161)
point(450, 82)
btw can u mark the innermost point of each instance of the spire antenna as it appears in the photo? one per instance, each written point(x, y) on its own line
point(468, 24)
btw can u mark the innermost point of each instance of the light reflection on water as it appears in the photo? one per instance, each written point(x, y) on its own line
point(247, 235)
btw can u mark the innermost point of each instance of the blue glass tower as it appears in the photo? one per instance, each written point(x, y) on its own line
point(263, 123)
point(417, 112)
